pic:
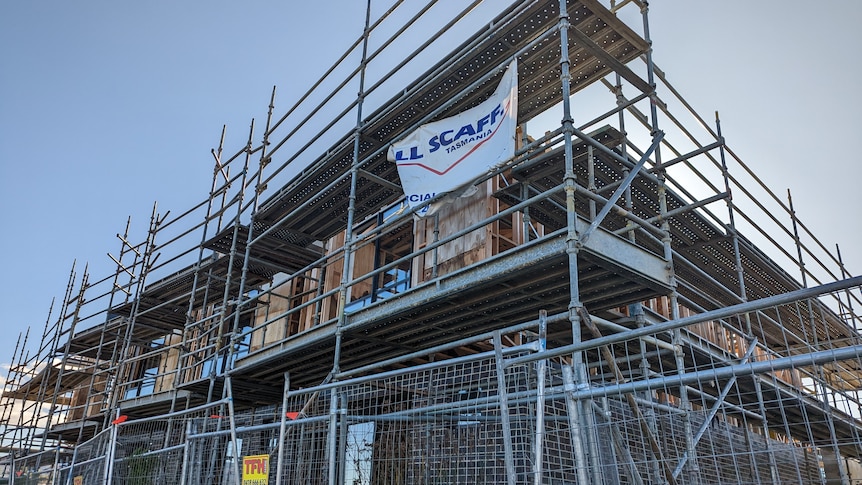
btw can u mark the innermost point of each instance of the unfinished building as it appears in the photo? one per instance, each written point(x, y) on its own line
point(620, 300)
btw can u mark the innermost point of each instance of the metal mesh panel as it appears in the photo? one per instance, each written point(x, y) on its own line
point(89, 459)
point(149, 467)
point(209, 459)
point(36, 468)
point(643, 409)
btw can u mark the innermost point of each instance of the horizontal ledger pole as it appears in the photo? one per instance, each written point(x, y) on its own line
point(716, 314)
point(738, 370)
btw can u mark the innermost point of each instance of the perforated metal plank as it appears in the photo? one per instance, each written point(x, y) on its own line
point(307, 205)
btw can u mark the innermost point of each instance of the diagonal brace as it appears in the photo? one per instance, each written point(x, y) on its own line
point(659, 136)
point(630, 398)
point(712, 412)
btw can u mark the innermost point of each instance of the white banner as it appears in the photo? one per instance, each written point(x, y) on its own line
point(443, 155)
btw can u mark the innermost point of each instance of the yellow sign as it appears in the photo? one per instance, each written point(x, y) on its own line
point(79, 480)
point(255, 470)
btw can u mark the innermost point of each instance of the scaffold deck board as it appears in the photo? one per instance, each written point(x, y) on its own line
point(315, 203)
point(612, 272)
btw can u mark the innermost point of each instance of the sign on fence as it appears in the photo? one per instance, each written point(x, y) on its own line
point(255, 470)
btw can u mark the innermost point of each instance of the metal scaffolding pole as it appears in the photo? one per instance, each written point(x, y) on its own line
point(282, 431)
point(64, 360)
point(503, 392)
point(693, 473)
point(241, 300)
point(185, 363)
point(225, 311)
point(820, 375)
point(719, 313)
point(541, 367)
point(849, 314)
point(572, 240)
point(608, 355)
point(234, 438)
point(740, 274)
point(336, 447)
point(147, 259)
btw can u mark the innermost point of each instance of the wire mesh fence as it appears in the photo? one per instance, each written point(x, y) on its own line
point(653, 403)
point(39, 468)
point(85, 464)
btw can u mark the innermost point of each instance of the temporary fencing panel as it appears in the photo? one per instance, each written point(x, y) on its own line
point(518, 415)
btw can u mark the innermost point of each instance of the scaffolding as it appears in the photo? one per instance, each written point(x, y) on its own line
point(616, 303)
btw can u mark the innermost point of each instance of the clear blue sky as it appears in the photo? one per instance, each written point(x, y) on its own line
point(106, 107)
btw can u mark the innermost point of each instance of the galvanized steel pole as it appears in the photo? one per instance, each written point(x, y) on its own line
point(572, 241)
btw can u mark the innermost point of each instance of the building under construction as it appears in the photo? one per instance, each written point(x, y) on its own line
point(620, 301)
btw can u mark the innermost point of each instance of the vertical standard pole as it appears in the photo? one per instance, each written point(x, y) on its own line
point(111, 451)
point(226, 300)
point(743, 294)
point(573, 415)
point(238, 299)
point(146, 261)
point(185, 470)
point(51, 348)
point(344, 294)
point(820, 381)
point(258, 189)
point(332, 444)
point(282, 430)
point(347, 262)
point(621, 101)
point(189, 317)
point(434, 252)
point(71, 473)
point(572, 239)
point(692, 465)
point(79, 302)
point(541, 365)
point(233, 436)
point(8, 385)
point(525, 194)
point(850, 315)
point(504, 409)
point(343, 436)
point(591, 180)
point(637, 311)
point(55, 471)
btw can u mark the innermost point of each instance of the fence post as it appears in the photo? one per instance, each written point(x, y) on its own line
point(111, 450)
point(504, 409)
point(72, 467)
point(282, 429)
point(332, 439)
point(575, 431)
point(540, 399)
point(56, 461)
point(185, 469)
point(237, 459)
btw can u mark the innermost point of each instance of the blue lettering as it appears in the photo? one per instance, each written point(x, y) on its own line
point(443, 140)
point(420, 197)
point(474, 132)
point(482, 122)
point(414, 155)
point(496, 111)
point(465, 130)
